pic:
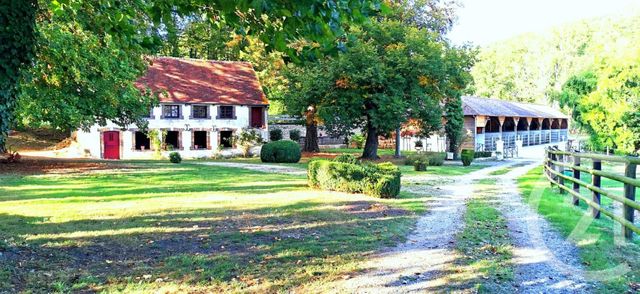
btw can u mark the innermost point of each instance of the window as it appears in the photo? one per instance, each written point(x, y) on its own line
point(142, 141)
point(172, 140)
point(171, 111)
point(226, 112)
point(226, 139)
point(199, 111)
point(200, 140)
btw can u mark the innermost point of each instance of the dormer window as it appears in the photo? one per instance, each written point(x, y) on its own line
point(171, 111)
point(200, 111)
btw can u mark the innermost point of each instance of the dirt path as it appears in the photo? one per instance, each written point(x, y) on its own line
point(267, 168)
point(545, 262)
point(419, 264)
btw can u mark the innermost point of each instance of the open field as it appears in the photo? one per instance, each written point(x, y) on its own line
point(154, 226)
point(598, 248)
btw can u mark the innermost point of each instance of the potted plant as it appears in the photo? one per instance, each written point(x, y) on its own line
point(418, 145)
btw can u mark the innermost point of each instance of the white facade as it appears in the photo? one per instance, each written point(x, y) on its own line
point(92, 143)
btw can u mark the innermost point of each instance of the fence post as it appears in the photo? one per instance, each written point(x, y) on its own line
point(561, 171)
point(595, 180)
point(552, 166)
point(629, 193)
point(576, 175)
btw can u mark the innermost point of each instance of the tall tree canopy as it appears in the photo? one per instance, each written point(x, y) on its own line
point(530, 67)
point(605, 100)
point(390, 73)
point(130, 29)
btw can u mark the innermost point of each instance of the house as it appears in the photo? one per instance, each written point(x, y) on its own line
point(489, 120)
point(203, 104)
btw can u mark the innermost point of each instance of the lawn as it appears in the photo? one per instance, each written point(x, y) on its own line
point(598, 250)
point(144, 226)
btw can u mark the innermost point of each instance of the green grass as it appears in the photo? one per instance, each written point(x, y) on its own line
point(187, 228)
point(381, 152)
point(484, 247)
point(598, 250)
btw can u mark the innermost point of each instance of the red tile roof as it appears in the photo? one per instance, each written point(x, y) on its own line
point(203, 81)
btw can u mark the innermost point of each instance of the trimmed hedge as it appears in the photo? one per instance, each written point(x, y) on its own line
point(294, 135)
point(275, 135)
point(467, 156)
point(432, 158)
point(346, 158)
point(284, 151)
point(482, 154)
point(175, 157)
point(378, 180)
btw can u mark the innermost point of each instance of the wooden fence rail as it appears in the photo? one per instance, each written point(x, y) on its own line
point(557, 162)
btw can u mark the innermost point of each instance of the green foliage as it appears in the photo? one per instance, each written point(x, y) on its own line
point(454, 127)
point(346, 158)
point(381, 180)
point(294, 135)
point(155, 139)
point(17, 32)
point(175, 157)
point(357, 140)
point(393, 72)
point(81, 78)
point(431, 158)
point(531, 66)
point(604, 102)
point(246, 139)
point(283, 151)
point(482, 154)
point(275, 135)
point(467, 156)
point(420, 164)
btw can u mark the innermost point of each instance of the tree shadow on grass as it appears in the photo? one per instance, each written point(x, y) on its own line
point(283, 246)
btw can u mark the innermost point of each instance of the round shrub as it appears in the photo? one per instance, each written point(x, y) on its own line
point(467, 156)
point(275, 135)
point(294, 135)
point(420, 165)
point(284, 151)
point(175, 157)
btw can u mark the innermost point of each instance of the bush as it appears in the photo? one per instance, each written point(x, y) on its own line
point(431, 158)
point(467, 156)
point(284, 151)
point(175, 157)
point(357, 141)
point(346, 158)
point(275, 135)
point(294, 135)
point(246, 139)
point(420, 165)
point(482, 154)
point(378, 180)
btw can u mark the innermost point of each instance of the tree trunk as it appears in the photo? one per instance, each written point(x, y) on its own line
point(311, 138)
point(371, 145)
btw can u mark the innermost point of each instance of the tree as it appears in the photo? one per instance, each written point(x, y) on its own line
point(129, 25)
point(392, 72)
point(308, 88)
point(17, 27)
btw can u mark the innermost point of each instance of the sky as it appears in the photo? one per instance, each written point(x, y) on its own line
point(483, 22)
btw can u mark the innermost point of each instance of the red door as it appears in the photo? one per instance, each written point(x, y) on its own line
point(257, 118)
point(111, 145)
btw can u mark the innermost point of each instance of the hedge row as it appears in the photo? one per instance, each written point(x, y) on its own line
point(431, 158)
point(379, 180)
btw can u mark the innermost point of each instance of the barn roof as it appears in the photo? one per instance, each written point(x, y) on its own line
point(203, 81)
point(494, 107)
